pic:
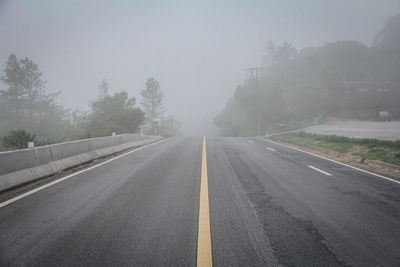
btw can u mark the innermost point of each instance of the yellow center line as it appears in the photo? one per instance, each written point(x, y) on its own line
point(204, 252)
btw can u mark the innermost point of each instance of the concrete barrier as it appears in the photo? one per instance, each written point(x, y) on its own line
point(11, 161)
point(25, 165)
point(69, 149)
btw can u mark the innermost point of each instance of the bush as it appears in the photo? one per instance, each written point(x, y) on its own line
point(17, 139)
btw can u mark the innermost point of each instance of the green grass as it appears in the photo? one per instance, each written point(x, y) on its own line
point(380, 154)
point(313, 141)
point(373, 149)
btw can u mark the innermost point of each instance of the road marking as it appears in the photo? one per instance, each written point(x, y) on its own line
point(250, 141)
point(332, 160)
point(204, 252)
point(7, 202)
point(270, 148)
point(319, 170)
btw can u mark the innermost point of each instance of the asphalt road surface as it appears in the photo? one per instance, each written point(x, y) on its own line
point(269, 205)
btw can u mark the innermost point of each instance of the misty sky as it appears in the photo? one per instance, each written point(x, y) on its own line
point(197, 50)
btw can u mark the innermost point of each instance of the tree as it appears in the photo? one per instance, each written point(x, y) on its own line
point(12, 95)
point(152, 101)
point(115, 113)
point(103, 88)
point(234, 120)
point(342, 79)
point(276, 55)
point(32, 83)
point(389, 37)
point(25, 92)
point(25, 104)
point(387, 51)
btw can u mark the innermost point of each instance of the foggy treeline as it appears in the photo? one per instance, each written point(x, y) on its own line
point(343, 79)
point(29, 113)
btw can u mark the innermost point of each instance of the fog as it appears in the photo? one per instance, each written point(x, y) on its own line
point(197, 50)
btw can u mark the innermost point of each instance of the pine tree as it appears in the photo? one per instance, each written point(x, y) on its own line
point(152, 100)
point(32, 83)
point(12, 79)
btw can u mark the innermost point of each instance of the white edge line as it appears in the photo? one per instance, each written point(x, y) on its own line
point(338, 162)
point(7, 202)
point(319, 170)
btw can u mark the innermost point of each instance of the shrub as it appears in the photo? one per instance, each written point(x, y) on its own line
point(17, 139)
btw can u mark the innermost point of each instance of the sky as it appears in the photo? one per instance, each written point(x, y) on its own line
point(197, 50)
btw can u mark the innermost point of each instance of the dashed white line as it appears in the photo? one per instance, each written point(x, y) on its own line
point(319, 170)
point(270, 148)
point(335, 161)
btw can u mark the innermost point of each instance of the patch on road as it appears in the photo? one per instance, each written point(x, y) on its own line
point(295, 242)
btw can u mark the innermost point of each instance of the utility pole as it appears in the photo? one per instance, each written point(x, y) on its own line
point(253, 74)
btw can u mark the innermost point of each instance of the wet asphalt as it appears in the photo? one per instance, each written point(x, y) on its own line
point(267, 208)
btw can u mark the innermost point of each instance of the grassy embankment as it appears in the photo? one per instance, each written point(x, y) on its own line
point(371, 149)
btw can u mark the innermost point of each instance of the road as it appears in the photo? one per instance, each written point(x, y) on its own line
point(359, 129)
point(269, 205)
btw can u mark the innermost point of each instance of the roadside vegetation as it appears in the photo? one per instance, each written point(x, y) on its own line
point(17, 139)
point(371, 149)
point(343, 79)
point(30, 113)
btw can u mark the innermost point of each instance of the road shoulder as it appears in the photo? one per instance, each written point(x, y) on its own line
point(377, 167)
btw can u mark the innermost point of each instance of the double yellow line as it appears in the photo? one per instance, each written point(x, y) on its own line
point(204, 252)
